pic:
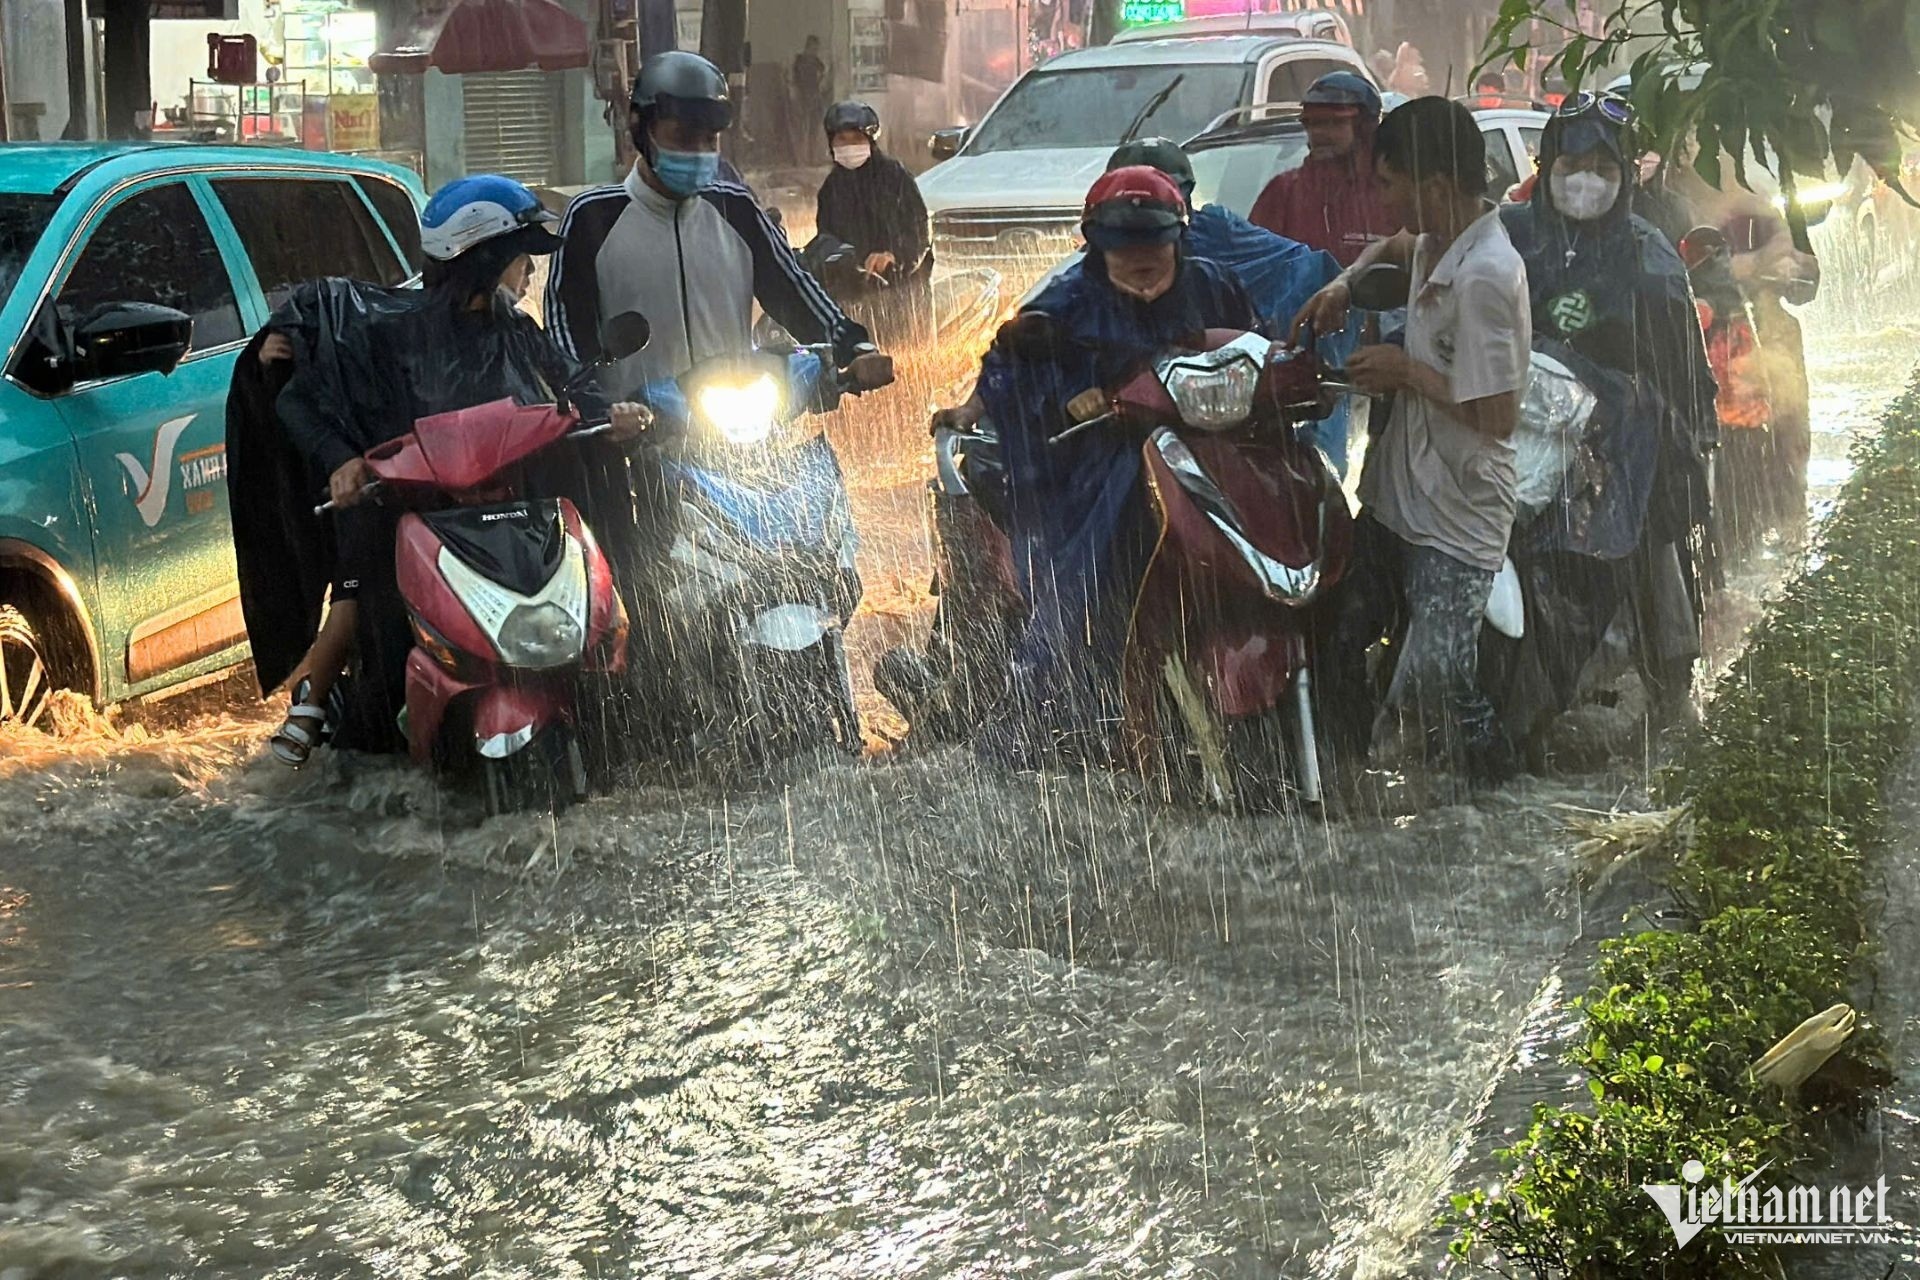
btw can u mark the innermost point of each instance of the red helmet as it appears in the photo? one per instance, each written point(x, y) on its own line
point(1131, 206)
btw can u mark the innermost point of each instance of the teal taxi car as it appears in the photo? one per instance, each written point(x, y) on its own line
point(131, 277)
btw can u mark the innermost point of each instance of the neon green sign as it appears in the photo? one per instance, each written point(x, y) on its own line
point(1140, 13)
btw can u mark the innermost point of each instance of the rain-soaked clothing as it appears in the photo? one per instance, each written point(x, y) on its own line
point(1439, 498)
point(1078, 535)
point(1328, 204)
point(876, 208)
point(367, 363)
point(1611, 300)
point(1279, 275)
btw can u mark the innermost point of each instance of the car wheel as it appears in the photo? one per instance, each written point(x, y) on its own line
point(26, 677)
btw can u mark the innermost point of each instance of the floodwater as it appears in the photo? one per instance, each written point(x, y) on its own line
point(904, 1017)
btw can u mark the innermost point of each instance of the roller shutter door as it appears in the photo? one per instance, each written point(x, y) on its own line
point(513, 124)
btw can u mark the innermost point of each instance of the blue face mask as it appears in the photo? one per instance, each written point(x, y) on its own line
point(685, 172)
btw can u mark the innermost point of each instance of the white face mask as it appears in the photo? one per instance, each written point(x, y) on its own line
point(1583, 195)
point(852, 157)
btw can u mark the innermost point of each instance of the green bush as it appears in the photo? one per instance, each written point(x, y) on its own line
point(1782, 791)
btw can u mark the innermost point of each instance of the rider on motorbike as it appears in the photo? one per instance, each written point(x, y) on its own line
point(1330, 201)
point(1278, 274)
point(688, 250)
point(1134, 292)
point(365, 364)
point(872, 248)
point(1611, 301)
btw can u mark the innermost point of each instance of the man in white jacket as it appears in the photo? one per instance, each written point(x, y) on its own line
point(687, 249)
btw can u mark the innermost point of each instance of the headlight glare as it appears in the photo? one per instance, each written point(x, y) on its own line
point(743, 413)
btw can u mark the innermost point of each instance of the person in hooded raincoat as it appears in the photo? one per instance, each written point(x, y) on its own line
point(1630, 527)
point(1278, 274)
point(873, 246)
point(343, 366)
point(1133, 293)
point(1330, 202)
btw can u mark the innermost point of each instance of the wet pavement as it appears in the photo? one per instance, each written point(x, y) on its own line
point(905, 1017)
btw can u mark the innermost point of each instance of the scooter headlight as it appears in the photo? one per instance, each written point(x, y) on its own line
point(1213, 396)
point(540, 635)
point(744, 413)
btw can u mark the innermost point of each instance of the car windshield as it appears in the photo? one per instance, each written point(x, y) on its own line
point(1234, 175)
point(1092, 108)
point(22, 219)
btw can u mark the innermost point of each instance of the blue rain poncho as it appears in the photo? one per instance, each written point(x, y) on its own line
point(1068, 503)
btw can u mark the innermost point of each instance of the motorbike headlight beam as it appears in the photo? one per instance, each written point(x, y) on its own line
point(744, 413)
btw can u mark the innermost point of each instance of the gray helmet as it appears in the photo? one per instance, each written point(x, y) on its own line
point(1163, 154)
point(683, 86)
point(853, 114)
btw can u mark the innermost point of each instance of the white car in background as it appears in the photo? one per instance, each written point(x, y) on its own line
point(1012, 190)
point(1512, 134)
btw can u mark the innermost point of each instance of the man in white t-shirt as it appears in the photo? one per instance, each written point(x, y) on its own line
point(1437, 493)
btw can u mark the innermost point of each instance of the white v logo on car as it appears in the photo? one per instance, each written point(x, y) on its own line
point(156, 483)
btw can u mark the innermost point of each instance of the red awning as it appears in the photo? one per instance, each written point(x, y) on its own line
point(461, 37)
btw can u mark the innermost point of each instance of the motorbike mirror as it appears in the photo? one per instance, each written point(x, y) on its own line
point(1031, 333)
point(625, 334)
point(1381, 287)
point(1700, 244)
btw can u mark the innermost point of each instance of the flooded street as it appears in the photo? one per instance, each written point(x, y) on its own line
point(906, 1017)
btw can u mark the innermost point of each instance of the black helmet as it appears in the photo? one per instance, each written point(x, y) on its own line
point(1163, 154)
point(683, 86)
point(853, 114)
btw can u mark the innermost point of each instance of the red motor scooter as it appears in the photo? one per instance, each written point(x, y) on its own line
point(512, 601)
point(1253, 531)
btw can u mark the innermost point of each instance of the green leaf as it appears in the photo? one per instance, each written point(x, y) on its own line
point(1597, 1089)
point(1654, 1062)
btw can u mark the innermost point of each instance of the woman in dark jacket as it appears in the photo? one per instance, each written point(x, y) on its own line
point(1628, 530)
point(873, 248)
point(366, 363)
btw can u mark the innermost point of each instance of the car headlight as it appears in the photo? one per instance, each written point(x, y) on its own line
point(743, 413)
point(1213, 397)
point(540, 635)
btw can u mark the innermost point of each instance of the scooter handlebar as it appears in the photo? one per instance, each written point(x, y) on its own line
point(366, 491)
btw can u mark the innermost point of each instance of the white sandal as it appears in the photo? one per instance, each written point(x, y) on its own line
point(293, 742)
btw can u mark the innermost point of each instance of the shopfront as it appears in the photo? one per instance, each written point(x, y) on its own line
point(287, 72)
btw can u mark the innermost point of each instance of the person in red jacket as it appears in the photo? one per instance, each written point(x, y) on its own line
point(1329, 202)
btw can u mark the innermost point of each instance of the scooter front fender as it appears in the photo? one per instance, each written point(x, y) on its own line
point(507, 717)
point(431, 689)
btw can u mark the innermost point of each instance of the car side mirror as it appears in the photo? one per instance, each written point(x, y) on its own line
point(625, 334)
point(1381, 287)
point(120, 339)
point(946, 143)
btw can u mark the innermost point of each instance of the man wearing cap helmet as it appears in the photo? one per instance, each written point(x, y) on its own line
point(684, 246)
point(1330, 202)
point(1133, 293)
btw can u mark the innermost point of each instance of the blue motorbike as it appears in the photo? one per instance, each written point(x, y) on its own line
point(760, 579)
